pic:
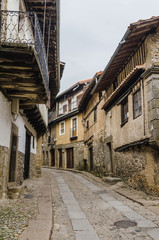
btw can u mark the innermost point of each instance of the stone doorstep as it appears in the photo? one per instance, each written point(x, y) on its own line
point(111, 180)
point(15, 191)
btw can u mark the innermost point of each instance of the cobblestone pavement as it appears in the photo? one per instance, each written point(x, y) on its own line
point(88, 210)
point(15, 214)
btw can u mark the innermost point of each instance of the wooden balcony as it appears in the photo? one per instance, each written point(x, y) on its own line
point(23, 62)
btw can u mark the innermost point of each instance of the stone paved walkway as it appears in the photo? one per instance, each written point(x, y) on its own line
point(90, 210)
point(15, 214)
point(66, 205)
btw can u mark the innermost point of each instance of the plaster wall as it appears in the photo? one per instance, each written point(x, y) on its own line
point(133, 130)
point(5, 121)
point(44, 112)
point(65, 138)
point(13, 5)
point(22, 123)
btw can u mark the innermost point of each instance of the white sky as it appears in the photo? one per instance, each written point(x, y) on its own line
point(91, 30)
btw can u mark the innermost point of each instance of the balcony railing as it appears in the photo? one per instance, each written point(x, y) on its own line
point(21, 29)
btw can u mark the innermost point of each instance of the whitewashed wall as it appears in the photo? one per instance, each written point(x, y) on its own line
point(22, 123)
point(5, 121)
point(13, 5)
point(44, 112)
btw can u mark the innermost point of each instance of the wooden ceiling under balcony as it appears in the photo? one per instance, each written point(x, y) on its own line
point(20, 76)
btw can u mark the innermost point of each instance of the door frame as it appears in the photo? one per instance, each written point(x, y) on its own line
point(70, 162)
point(14, 132)
point(27, 154)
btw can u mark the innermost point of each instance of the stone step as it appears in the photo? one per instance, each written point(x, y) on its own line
point(111, 179)
point(15, 191)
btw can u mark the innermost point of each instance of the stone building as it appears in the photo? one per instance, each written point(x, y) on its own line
point(131, 104)
point(29, 82)
point(93, 124)
point(66, 147)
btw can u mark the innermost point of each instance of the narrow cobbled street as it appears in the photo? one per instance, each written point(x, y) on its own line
point(87, 210)
point(73, 205)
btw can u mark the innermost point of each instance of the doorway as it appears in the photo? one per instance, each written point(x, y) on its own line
point(12, 167)
point(70, 158)
point(52, 151)
point(109, 157)
point(91, 158)
point(27, 155)
point(60, 158)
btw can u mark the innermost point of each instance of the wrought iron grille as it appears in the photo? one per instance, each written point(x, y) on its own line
point(23, 28)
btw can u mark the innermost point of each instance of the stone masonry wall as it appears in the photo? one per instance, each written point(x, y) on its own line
point(99, 155)
point(139, 167)
point(153, 108)
point(78, 155)
point(20, 168)
point(32, 165)
point(4, 156)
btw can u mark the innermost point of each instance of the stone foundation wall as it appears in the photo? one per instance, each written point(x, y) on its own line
point(4, 158)
point(20, 168)
point(78, 155)
point(99, 155)
point(139, 167)
point(32, 165)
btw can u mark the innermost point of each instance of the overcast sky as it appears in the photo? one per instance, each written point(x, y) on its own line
point(91, 30)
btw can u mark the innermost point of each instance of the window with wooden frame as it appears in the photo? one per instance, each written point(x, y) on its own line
point(137, 103)
point(64, 108)
point(62, 128)
point(95, 114)
point(74, 127)
point(124, 111)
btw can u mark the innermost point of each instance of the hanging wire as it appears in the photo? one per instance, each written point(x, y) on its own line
point(44, 20)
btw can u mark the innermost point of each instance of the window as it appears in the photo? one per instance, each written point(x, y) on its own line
point(64, 108)
point(87, 126)
point(62, 128)
point(137, 103)
point(124, 111)
point(95, 114)
point(74, 127)
point(100, 95)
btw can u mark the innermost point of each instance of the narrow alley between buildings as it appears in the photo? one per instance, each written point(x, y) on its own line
point(88, 210)
point(75, 205)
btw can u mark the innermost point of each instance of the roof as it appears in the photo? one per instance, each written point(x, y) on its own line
point(134, 35)
point(87, 94)
point(72, 87)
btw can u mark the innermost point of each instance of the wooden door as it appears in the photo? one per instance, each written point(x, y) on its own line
point(70, 158)
point(60, 157)
point(12, 168)
point(52, 157)
point(27, 156)
point(91, 158)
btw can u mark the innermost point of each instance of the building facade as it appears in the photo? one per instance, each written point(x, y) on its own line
point(65, 136)
point(131, 85)
point(29, 82)
point(94, 128)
